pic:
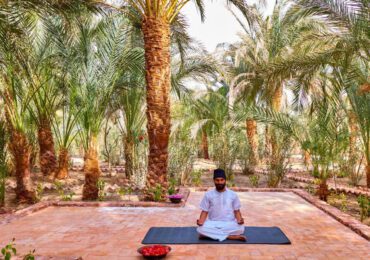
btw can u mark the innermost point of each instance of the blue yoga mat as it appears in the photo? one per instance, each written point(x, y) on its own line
point(189, 235)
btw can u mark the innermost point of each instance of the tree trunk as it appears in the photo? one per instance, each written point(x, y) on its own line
point(251, 126)
point(48, 161)
point(62, 172)
point(21, 151)
point(129, 157)
point(92, 172)
point(323, 190)
point(267, 151)
point(368, 175)
point(364, 88)
point(276, 104)
point(276, 99)
point(353, 130)
point(306, 158)
point(205, 145)
point(157, 57)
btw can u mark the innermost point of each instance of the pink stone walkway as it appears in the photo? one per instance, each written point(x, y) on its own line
point(116, 233)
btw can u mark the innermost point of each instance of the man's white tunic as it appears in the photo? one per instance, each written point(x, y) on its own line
point(221, 220)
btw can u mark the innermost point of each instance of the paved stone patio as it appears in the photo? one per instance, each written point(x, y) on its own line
point(116, 233)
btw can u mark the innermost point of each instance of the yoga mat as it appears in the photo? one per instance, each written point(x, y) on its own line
point(189, 235)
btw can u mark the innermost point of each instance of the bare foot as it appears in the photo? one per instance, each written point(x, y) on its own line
point(237, 237)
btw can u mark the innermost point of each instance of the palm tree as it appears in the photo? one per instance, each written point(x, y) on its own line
point(3, 160)
point(266, 41)
point(156, 17)
point(319, 131)
point(16, 95)
point(44, 102)
point(339, 47)
point(131, 122)
point(100, 48)
point(361, 108)
point(94, 77)
point(17, 20)
point(350, 82)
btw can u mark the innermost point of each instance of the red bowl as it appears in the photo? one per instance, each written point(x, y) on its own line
point(167, 249)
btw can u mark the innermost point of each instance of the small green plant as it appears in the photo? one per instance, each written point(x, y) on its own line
point(364, 204)
point(122, 191)
point(101, 185)
point(9, 250)
point(315, 172)
point(157, 193)
point(231, 183)
point(30, 255)
point(172, 186)
point(343, 201)
point(316, 181)
point(310, 188)
point(196, 178)
point(68, 197)
point(64, 196)
point(39, 191)
point(253, 180)
point(342, 174)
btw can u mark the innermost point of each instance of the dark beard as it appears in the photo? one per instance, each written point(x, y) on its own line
point(220, 186)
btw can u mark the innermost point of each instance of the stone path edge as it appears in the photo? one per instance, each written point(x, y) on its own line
point(44, 204)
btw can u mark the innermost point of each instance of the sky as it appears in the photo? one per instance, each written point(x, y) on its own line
point(220, 25)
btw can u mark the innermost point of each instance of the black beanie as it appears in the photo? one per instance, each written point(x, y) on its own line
point(219, 173)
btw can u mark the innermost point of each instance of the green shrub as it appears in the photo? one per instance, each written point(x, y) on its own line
point(364, 204)
point(39, 191)
point(278, 160)
point(101, 185)
point(30, 255)
point(62, 195)
point(157, 193)
point(125, 191)
point(196, 178)
point(9, 250)
point(254, 180)
point(172, 187)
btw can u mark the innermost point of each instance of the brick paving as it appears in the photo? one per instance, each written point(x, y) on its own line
point(116, 232)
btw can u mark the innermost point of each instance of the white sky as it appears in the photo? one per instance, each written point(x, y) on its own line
point(220, 25)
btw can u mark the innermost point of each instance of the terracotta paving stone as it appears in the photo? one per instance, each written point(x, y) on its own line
point(116, 232)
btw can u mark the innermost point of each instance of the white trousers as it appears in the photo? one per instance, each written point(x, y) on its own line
point(220, 230)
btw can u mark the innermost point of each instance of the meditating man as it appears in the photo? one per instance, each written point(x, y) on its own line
point(222, 207)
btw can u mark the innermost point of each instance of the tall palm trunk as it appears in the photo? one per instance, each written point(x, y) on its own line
point(62, 172)
point(267, 151)
point(306, 158)
point(48, 162)
point(276, 104)
point(92, 171)
point(129, 157)
point(276, 98)
point(157, 57)
point(251, 127)
point(323, 190)
point(353, 130)
point(205, 145)
point(21, 152)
